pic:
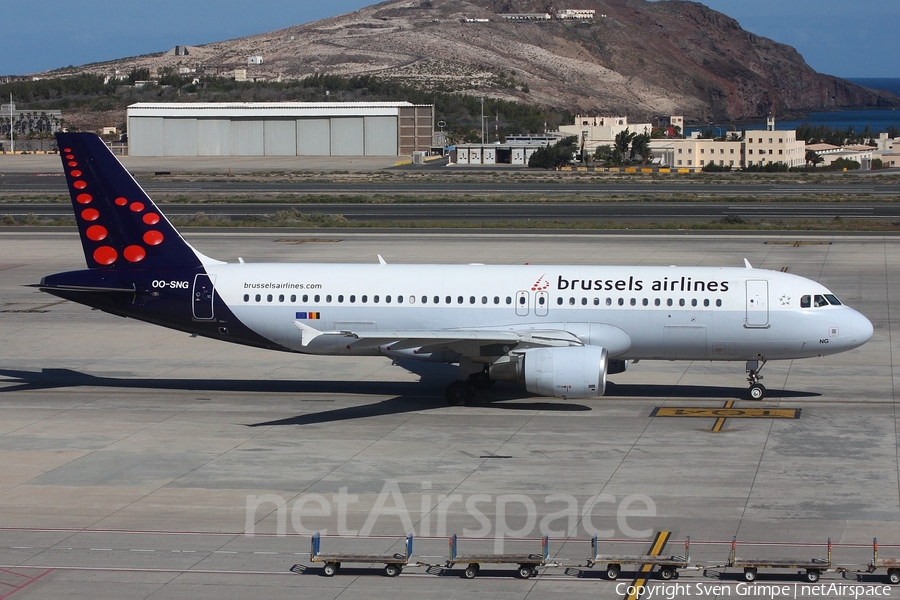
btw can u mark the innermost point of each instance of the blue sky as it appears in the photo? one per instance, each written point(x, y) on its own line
point(847, 39)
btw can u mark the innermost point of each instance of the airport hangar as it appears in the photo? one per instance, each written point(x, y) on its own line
point(279, 129)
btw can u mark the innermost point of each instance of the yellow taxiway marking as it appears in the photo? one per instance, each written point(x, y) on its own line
point(641, 580)
point(728, 412)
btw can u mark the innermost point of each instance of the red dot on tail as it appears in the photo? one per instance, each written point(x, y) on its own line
point(72, 163)
point(120, 201)
point(153, 238)
point(105, 255)
point(90, 214)
point(70, 156)
point(75, 173)
point(96, 233)
point(67, 149)
point(151, 218)
point(134, 254)
point(79, 184)
point(137, 206)
point(84, 198)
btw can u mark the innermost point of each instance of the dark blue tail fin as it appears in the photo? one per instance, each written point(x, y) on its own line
point(120, 226)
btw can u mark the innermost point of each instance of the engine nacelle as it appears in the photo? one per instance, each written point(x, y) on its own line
point(569, 372)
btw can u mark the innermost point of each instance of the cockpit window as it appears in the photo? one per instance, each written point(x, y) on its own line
point(820, 300)
point(832, 300)
point(805, 301)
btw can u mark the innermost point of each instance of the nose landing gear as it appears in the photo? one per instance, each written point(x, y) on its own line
point(757, 391)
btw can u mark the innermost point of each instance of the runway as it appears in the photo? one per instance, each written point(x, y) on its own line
point(137, 461)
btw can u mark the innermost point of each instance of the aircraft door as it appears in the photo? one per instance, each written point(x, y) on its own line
point(757, 303)
point(203, 296)
point(541, 303)
point(522, 303)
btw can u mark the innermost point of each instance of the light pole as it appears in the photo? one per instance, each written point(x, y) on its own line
point(482, 120)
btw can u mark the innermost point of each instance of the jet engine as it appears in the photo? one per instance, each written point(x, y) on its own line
point(567, 372)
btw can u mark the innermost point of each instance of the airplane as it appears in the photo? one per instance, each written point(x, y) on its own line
point(558, 329)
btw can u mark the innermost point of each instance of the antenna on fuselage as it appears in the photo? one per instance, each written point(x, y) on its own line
point(747, 264)
point(381, 261)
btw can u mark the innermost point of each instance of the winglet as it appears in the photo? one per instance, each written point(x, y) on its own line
point(747, 264)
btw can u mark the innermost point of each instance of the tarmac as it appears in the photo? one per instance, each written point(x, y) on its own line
point(139, 462)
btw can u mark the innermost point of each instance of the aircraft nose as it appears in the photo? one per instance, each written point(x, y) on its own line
point(861, 330)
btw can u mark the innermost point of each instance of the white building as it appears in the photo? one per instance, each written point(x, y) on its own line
point(279, 129)
point(569, 13)
point(600, 131)
point(774, 146)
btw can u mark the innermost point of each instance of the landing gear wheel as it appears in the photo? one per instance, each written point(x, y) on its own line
point(525, 571)
point(667, 573)
point(757, 391)
point(472, 570)
point(894, 576)
point(612, 572)
point(749, 574)
point(459, 392)
point(329, 569)
point(812, 575)
point(392, 570)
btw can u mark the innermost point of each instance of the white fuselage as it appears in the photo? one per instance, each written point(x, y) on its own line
point(693, 313)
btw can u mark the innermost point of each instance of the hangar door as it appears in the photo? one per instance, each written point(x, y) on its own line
point(281, 137)
point(347, 136)
point(381, 136)
point(213, 137)
point(313, 137)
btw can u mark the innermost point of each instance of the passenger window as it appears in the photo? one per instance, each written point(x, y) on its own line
point(437, 299)
point(522, 300)
point(656, 302)
point(509, 300)
point(584, 301)
point(645, 302)
point(352, 298)
point(681, 302)
point(364, 298)
point(718, 303)
point(246, 297)
point(316, 299)
point(596, 301)
point(694, 302)
point(542, 300)
point(293, 297)
point(269, 298)
point(820, 301)
point(669, 302)
point(328, 298)
point(340, 298)
point(633, 302)
point(400, 299)
point(484, 299)
point(424, 299)
point(621, 301)
point(559, 301)
point(258, 297)
point(305, 298)
point(571, 301)
point(805, 301)
point(281, 297)
point(496, 299)
point(609, 301)
point(448, 299)
point(387, 299)
point(459, 300)
point(375, 299)
point(706, 302)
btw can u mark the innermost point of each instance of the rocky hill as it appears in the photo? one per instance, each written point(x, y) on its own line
point(634, 57)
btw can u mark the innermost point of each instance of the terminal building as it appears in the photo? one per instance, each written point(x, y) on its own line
point(279, 129)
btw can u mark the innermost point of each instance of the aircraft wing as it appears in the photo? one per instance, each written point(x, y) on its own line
point(458, 340)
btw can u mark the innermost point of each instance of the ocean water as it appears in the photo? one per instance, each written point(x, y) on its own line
point(876, 119)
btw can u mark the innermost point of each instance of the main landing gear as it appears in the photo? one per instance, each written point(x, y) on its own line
point(462, 391)
point(757, 391)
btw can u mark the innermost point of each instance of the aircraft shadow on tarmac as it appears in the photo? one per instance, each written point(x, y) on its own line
point(406, 396)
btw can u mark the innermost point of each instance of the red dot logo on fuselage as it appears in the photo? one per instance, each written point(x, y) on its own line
point(540, 285)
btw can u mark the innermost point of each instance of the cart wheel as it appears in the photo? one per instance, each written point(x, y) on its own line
point(612, 572)
point(750, 574)
point(525, 571)
point(392, 570)
point(337, 567)
point(329, 569)
point(667, 573)
point(812, 575)
point(471, 571)
point(534, 572)
point(894, 576)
